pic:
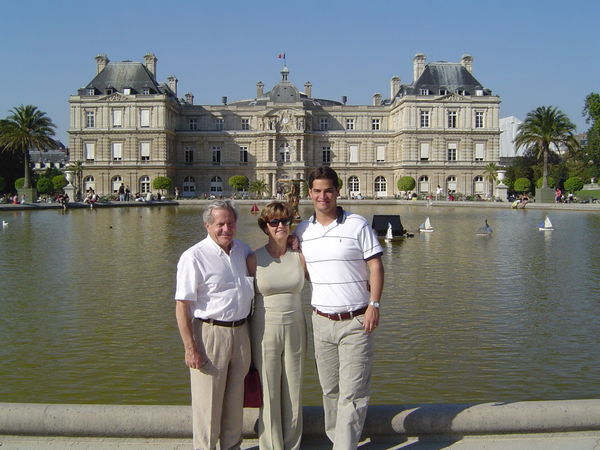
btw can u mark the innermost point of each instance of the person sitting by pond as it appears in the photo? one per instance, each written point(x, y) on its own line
point(278, 329)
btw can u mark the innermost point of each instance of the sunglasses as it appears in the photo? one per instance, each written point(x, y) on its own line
point(275, 222)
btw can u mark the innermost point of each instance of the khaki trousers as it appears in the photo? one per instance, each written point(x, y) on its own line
point(218, 387)
point(278, 352)
point(344, 355)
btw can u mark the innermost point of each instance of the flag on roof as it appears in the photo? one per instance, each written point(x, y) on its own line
point(281, 56)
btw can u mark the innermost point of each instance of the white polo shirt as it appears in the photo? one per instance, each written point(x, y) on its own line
point(336, 257)
point(216, 282)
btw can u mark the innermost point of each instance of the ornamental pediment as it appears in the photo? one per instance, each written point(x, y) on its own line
point(284, 120)
point(452, 98)
point(116, 97)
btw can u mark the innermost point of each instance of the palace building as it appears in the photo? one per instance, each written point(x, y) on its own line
point(441, 129)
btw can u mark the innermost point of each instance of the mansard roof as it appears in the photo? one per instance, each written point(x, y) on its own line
point(452, 77)
point(117, 76)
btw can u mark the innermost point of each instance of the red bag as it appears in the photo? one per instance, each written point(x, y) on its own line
point(252, 389)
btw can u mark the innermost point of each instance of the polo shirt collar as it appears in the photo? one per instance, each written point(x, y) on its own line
point(341, 216)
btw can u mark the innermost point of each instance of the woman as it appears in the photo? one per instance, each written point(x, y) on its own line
point(278, 330)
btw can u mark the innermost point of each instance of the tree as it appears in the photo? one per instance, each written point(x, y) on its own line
point(543, 127)
point(259, 187)
point(551, 182)
point(239, 182)
point(26, 128)
point(59, 182)
point(2, 183)
point(491, 172)
point(162, 183)
point(77, 168)
point(44, 185)
point(573, 184)
point(590, 155)
point(406, 183)
point(522, 185)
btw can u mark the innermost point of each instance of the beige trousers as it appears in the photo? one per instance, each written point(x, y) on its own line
point(344, 355)
point(218, 387)
point(278, 352)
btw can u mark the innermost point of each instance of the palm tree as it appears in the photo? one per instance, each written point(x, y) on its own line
point(545, 126)
point(259, 187)
point(77, 168)
point(25, 128)
point(491, 171)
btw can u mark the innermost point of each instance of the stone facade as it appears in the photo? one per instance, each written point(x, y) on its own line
point(441, 129)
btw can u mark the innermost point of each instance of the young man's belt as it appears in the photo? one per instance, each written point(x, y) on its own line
point(222, 323)
point(341, 316)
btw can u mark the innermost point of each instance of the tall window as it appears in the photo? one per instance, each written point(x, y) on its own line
point(90, 119)
point(423, 91)
point(117, 151)
point(193, 124)
point(116, 182)
point(216, 184)
point(451, 182)
point(353, 153)
point(349, 124)
point(375, 124)
point(451, 119)
point(144, 184)
point(353, 185)
point(327, 154)
point(89, 183)
point(380, 187)
point(188, 154)
point(284, 152)
point(479, 151)
point(478, 119)
point(452, 151)
point(324, 124)
point(424, 151)
point(243, 154)
point(245, 124)
point(189, 186)
point(219, 123)
point(478, 185)
point(380, 153)
point(117, 118)
point(424, 184)
point(90, 151)
point(216, 156)
point(424, 119)
point(144, 118)
point(145, 151)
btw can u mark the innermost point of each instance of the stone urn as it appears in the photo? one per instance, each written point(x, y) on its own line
point(501, 174)
point(69, 177)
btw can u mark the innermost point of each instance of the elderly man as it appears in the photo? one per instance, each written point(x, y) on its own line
point(213, 300)
point(343, 257)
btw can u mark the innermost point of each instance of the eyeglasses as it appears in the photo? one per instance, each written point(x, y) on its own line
point(275, 222)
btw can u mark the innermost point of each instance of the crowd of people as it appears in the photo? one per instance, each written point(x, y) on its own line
point(236, 307)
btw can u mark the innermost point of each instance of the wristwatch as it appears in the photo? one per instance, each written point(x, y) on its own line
point(374, 304)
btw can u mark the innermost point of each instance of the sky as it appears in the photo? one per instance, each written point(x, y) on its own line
point(529, 52)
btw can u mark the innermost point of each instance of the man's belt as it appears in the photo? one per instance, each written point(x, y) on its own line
point(222, 323)
point(341, 316)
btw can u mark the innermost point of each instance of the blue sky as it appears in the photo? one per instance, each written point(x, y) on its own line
point(531, 53)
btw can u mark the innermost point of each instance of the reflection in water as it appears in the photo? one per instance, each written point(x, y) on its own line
point(87, 316)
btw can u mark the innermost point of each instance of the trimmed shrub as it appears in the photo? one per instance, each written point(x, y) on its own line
point(522, 185)
point(44, 186)
point(19, 182)
point(59, 182)
point(239, 182)
point(161, 183)
point(551, 182)
point(573, 184)
point(406, 183)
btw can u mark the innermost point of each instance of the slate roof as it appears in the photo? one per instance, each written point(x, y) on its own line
point(125, 74)
point(452, 77)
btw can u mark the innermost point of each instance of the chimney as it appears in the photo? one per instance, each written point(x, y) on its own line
point(376, 99)
point(224, 100)
point(259, 89)
point(150, 63)
point(308, 89)
point(344, 99)
point(189, 98)
point(172, 83)
point(467, 62)
point(101, 62)
point(394, 87)
point(418, 66)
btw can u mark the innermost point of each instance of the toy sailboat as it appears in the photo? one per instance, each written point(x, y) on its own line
point(389, 234)
point(426, 227)
point(485, 230)
point(546, 225)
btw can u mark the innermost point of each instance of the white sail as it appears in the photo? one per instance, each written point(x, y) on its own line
point(426, 226)
point(547, 223)
point(389, 235)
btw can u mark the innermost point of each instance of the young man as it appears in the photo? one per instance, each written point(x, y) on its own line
point(343, 258)
point(213, 300)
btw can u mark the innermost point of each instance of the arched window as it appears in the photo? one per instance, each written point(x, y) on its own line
point(380, 187)
point(145, 184)
point(478, 185)
point(353, 186)
point(424, 184)
point(451, 183)
point(216, 184)
point(116, 182)
point(89, 183)
point(189, 186)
